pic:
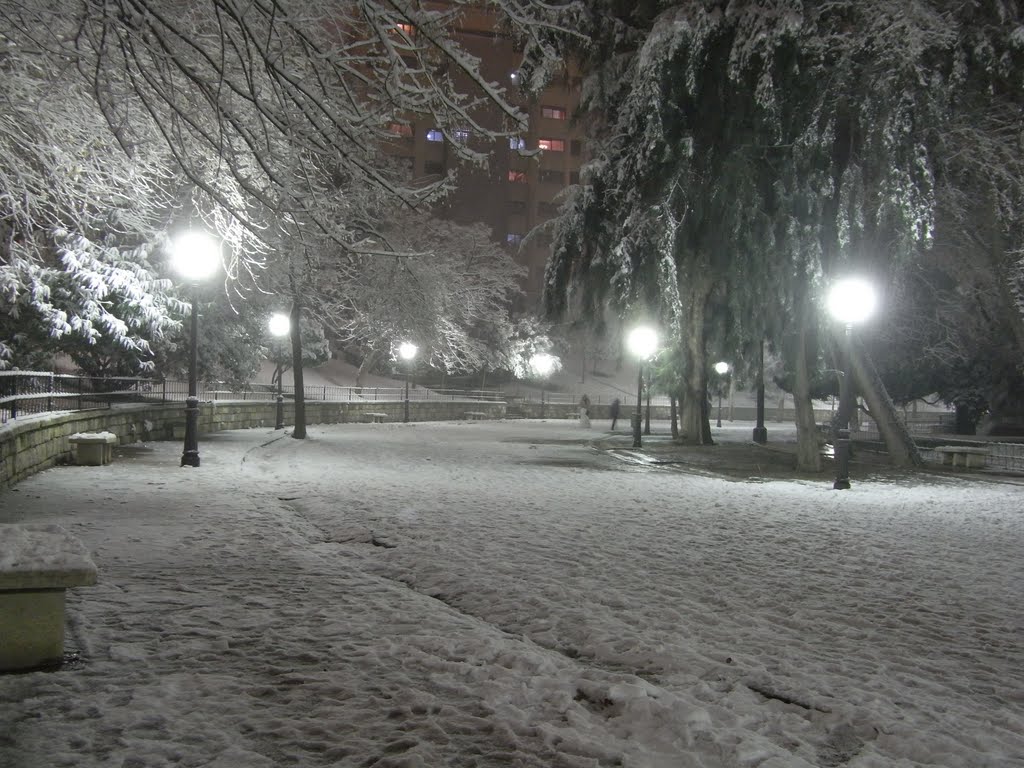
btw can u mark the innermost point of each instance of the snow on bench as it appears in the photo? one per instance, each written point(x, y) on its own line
point(473, 415)
point(376, 418)
point(37, 563)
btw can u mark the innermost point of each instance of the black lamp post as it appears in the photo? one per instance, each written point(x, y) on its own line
point(407, 352)
point(196, 256)
point(842, 438)
point(190, 454)
point(721, 368)
point(280, 326)
point(760, 431)
point(647, 409)
point(641, 342)
point(850, 301)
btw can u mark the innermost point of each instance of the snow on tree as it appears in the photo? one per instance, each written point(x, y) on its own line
point(414, 277)
point(255, 111)
point(744, 153)
point(79, 223)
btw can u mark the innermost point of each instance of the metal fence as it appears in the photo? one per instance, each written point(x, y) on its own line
point(932, 429)
point(24, 393)
point(570, 398)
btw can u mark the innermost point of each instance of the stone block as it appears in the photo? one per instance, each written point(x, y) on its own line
point(37, 563)
point(93, 449)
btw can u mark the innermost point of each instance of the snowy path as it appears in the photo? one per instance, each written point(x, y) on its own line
point(500, 594)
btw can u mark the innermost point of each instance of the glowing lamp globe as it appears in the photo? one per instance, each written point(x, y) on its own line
point(851, 300)
point(280, 324)
point(195, 255)
point(542, 363)
point(642, 342)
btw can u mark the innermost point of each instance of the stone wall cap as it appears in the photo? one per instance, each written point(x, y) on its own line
point(93, 437)
point(42, 556)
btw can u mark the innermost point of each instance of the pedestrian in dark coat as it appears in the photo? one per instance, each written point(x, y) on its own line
point(614, 411)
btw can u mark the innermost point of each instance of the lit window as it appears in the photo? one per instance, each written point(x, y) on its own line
point(461, 135)
point(407, 29)
point(434, 135)
point(519, 176)
point(552, 145)
point(516, 142)
point(513, 238)
point(555, 113)
point(514, 76)
point(400, 129)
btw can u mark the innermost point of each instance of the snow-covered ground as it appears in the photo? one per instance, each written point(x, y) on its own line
point(503, 594)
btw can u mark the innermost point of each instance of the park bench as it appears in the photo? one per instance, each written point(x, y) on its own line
point(93, 449)
point(474, 415)
point(37, 563)
point(962, 456)
point(376, 418)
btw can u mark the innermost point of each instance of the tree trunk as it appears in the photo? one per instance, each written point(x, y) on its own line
point(367, 365)
point(672, 416)
point(299, 432)
point(966, 421)
point(694, 427)
point(898, 442)
point(808, 452)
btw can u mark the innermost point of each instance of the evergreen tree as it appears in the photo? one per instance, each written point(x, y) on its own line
point(747, 153)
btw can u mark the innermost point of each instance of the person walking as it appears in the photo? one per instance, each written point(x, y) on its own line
point(585, 411)
point(614, 411)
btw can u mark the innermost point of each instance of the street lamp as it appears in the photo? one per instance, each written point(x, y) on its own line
point(195, 256)
point(407, 352)
point(850, 301)
point(760, 431)
point(280, 325)
point(647, 409)
point(642, 342)
point(721, 368)
point(542, 364)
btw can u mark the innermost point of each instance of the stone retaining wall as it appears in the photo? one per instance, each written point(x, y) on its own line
point(32, 444)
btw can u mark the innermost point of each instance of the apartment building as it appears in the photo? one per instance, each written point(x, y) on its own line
point(520, 186)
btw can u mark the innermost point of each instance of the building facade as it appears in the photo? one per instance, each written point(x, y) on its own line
point(527, 171)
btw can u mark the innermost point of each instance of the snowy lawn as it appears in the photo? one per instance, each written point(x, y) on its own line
point(502, 594)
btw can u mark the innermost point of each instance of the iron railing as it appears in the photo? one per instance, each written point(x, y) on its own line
point(24, 393)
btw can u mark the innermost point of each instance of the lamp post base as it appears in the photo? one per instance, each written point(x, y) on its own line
point(190, 455)
point(280, 412)
point(760, 435)
point(637, 440)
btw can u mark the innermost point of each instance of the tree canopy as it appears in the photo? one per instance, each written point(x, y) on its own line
point(263, 122)
point(746, 153)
